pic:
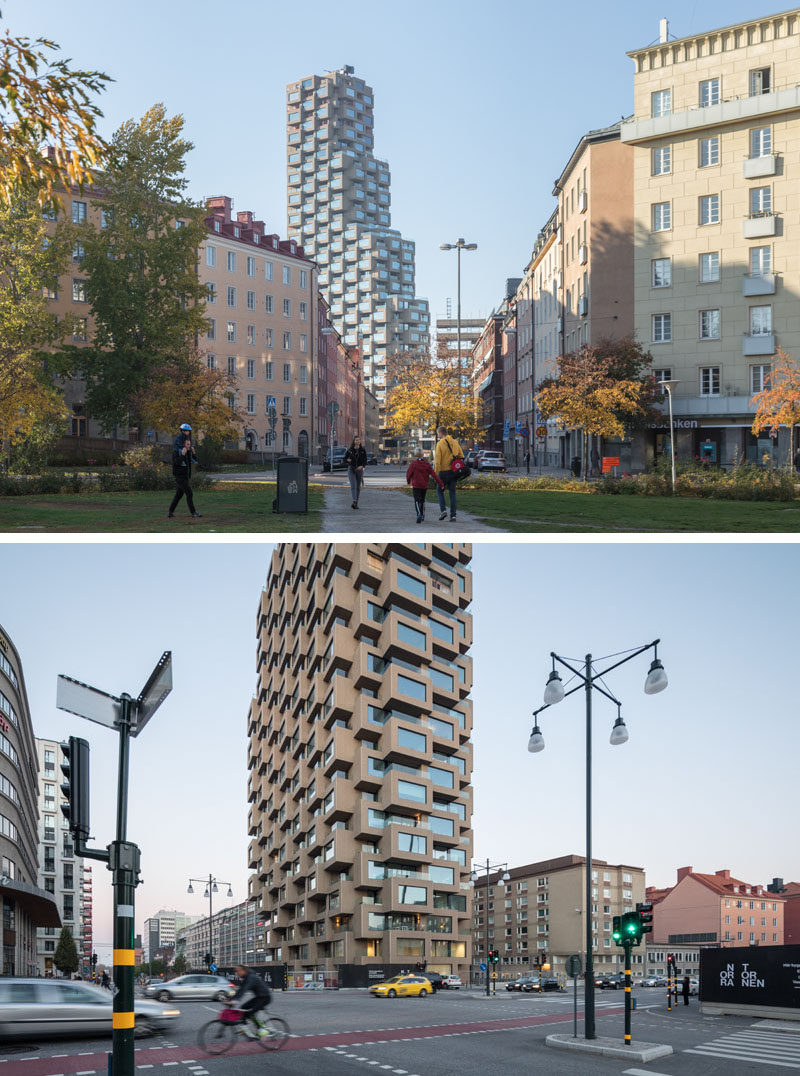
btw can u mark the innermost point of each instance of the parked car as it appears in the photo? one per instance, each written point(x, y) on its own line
point(410, 986)
point(491, 461)
point(213, 987)
point(35, 1008)
point(654, 980)
point(334, 459)
point(372, 459)
point(519, 984)
point(436, 980)
point(450, 982)
point(472, 456)
point(550, 984)
point(694, 986)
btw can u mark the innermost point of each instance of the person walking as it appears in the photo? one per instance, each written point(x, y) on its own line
point(418, 475)
point(447, 450)
point(797, 460)
point(685, 987)
point(355, 458)
point(182, 459)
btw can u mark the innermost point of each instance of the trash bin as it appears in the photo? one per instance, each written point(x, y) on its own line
point(291, 484)
point(575, 466)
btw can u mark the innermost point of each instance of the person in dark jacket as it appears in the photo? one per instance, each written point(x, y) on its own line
point(685, 987)
point(261, 995)
point(182, 459)
point(418, 475)
point(355, 458)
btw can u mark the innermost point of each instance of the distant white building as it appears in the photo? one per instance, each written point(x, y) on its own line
point(161, 930)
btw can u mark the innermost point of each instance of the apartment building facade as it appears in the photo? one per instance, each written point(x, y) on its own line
point(24, 903)
point(262, 308)
point(487, 380)
point(339, 209)
point(339, 389)
point(61, 872)
point(715, 135)
point(161, 930)
point(537, 916)
point(235, 936)
point(360, 756)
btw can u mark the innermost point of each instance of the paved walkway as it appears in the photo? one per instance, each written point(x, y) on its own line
point(388, 511)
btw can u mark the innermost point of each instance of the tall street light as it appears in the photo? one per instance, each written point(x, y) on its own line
point(668, 386)
point(476, 868)
point(554, 692)
point(458, 247)
point(211, 888)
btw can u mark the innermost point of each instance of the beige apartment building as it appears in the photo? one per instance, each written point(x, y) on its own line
point(360, 757)
point(716, 140)
point(537, 916)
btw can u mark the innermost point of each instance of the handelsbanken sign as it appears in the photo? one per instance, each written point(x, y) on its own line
point(753, 975)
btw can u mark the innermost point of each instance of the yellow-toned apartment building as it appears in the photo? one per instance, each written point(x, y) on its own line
point(716, 139)
point(360, 758)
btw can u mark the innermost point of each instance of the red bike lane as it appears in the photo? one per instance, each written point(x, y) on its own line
point(85, 1063)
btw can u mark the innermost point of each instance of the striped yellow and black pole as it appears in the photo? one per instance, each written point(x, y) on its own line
point(669, 984)
point(628, 994)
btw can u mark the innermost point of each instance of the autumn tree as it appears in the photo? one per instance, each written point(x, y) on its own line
point(45, 103)
point(426, 392)
point(30, 262)
point(141, 275)
point(187, 388)
point(602, 389)
point(66, 954)
point(778, 403)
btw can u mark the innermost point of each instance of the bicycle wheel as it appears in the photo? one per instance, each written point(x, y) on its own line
point(216, 1037)
point(277, 1033)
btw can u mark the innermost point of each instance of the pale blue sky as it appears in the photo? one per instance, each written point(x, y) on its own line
point(477, 106)
point(708, 777)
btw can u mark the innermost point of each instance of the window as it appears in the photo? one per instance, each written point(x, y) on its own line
point(412, 585)
point(761, 142)
point(661, 272)
point(408, 790)
point(303, 278)
point(709, 151)
point(211, 256)
point(709, 209)
point(268, 371)
point(251, 368)
point(231, 366)
point(304, 311)
point(304, 405)
point(231, 296)
point(304, 374)
point(759, 377)
point(268, 271)
point(268, 337)
point(660, 103)
point(414, 740)
point(251, 403)
point(661, 161)
point(251, 334)
point(287, 405)
point(251, 266)
point(303, 342)
point(760, 201)
point(760, 81)
point(709, 324)
point(269, 305)
point(662, 217)
point(760, 320)
point(77, 253)
point(760, 261)
point(78, 212)
point(211, 293)
point(211, 362)
point(709, 92)
point(709, 380)
point(231, 332)
point(81, 330)
point(287, 341)
point(212, 329)
point(287, 371)
point(709, 267)
point(79, 290)
point(287, 274)
point(411, 687)
point(251, 300)
point(662, 328)
point(287, 308)
point(231, 261)
point(664, 374)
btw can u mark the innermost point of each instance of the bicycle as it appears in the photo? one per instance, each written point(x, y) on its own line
point(218, 1036)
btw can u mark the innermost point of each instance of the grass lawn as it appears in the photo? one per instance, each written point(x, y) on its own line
point(545, 511)
point(230, 509)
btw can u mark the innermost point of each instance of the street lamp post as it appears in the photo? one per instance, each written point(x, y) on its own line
point(668, 386)
point(458, 247)
point(554, 692)
point(211, 888)
point(487, 866)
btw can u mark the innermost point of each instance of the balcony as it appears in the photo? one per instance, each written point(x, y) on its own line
point(758, 225)
point(758, 284)
point(755, 167)
point(762, 344)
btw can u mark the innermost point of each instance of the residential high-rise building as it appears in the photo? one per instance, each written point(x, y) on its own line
point(339, 210)
point(717, 270)
point(24, 904)
point(60, 871)
point(360, 756)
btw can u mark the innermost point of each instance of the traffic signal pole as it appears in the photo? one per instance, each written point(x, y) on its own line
point(628, 994)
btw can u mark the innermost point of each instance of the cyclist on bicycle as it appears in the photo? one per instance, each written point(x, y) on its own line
point(261, 994)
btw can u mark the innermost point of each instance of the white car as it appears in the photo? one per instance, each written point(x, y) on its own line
point(451, 982)
point(209, 987)
point(491, 461)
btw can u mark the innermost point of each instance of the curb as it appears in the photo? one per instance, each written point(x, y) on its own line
point(643, 1051)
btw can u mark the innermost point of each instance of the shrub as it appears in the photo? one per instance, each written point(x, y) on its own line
point(538, 482)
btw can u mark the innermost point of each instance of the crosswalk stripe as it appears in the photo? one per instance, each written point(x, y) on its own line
point(745, 1057)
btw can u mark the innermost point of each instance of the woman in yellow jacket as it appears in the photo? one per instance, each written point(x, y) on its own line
point(447, 450)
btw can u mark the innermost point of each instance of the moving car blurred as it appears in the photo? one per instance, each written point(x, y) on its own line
point(525, 984)
point(213, 987)
point(451, 982)
point(551, 984)
point(654, 980)
point(435, 979)
point(402, 986)
point(34, 1008)
point(613, 982)
point(491, 461)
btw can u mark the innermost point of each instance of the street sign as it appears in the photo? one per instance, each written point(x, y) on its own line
point(541, 431)
point(518, 427)
point(89, 702)
point(573, 966)
point(483, 965)
point(273, 418)
point(272, 403)
point(212, 968)
point(494, 974)
point(525, 431)
point(158, 686)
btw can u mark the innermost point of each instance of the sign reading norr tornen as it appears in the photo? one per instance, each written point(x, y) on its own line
point(767, 976)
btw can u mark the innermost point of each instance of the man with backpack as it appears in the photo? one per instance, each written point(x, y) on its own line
point(447, 450)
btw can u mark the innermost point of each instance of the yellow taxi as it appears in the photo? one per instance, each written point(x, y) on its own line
point(412, 986)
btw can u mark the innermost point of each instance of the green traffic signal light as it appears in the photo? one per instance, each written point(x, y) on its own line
point(616, 933)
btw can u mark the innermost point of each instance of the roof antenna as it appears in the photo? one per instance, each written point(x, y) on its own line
point(663, 31)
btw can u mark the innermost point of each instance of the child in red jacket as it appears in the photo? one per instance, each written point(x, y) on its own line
point(418, 475)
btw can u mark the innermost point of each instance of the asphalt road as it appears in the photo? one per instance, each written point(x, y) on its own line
point(452, 1034)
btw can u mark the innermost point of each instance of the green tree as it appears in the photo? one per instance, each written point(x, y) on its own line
point(31, 406)
point(602, 389)
point(66, 954)
point(179, 965)
point(778, 403)
point(45, 103)
point(141, 271)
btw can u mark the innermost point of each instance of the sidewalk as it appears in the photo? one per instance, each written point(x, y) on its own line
point(388, 511)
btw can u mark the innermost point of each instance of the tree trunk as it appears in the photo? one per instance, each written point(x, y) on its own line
point(586, 455)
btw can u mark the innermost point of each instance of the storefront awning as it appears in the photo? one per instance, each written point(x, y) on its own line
point(39, 906)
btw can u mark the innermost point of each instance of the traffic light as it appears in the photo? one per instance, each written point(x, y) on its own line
point(616, 929)
point(94, 960)
point(494, 956)
point(75, 787)
point(670, 964)
point(208, 960)
point(421, 965)
point(645, 912)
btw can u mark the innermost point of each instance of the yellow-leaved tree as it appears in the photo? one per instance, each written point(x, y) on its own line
point(778, 403)
point(427, 391)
